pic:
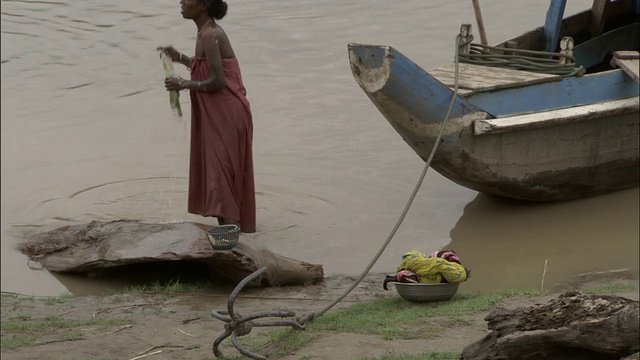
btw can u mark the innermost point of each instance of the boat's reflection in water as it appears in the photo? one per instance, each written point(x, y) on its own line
point(506, 243)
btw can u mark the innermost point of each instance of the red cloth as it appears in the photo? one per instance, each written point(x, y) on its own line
point(221, 164)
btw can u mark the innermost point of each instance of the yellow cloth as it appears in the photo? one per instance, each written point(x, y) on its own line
point(432, 270)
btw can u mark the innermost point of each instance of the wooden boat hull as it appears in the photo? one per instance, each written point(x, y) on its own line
point(575, 150)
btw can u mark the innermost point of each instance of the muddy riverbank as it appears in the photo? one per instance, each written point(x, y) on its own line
point(127, 325)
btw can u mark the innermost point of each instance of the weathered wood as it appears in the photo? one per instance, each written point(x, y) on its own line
point(598, 16)
point(592, 52)
point(510, 45)
point(465, 38)
point(572, 326)
point(594, 88)
point(545, 164)
point(106, 245)
point(555, 117)
point(566, 48)
point(626, 55)
point(553, 24)
point(477, 78)
point(629, 62)
point(481, 30)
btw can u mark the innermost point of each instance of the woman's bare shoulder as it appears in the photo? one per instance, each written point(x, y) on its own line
point(219, 37)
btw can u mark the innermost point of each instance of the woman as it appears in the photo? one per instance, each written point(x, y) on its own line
point(221, 165)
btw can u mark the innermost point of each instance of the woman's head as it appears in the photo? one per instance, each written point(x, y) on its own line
point(192, 9)
point(216, 9)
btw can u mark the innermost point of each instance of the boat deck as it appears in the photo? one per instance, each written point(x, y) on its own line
point(629, 62)
point(478, 78)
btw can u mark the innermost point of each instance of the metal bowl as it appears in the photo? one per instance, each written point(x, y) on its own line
point(426, 292)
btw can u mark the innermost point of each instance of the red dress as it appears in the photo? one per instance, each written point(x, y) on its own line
point(221, 163)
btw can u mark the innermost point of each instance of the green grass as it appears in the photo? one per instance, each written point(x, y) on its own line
point(388, 317)
point(392, 318)
point(14, 342)
point(289, 340)
point(172, 286)
point(6, 294)
point(49, 300)
point(20, 331)
point(23, 316)
point(612, 288)
point(120, 298)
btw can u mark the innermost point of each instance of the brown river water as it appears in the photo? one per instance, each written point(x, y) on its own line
point(87, 134)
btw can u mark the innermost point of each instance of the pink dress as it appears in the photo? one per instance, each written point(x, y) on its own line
point(221, 163)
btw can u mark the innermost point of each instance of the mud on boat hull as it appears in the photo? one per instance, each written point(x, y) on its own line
point(559, 154)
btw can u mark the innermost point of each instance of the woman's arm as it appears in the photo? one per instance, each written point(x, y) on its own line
point(185, 60)
point(216, 81)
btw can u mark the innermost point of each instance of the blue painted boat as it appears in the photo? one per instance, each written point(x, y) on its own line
point(545, 116)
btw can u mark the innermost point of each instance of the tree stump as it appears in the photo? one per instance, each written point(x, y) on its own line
point(100, 246)
point(571, 326)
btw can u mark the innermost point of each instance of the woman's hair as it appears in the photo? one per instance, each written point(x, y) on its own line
point(216, 9)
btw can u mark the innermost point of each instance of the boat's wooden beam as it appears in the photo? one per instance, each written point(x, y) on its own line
point(603, 11)
point(599, 11)
point(593, 51)
point(594, 88)
point(553, 24)
point(481, 30)
point(555, 117)
point(629, 62)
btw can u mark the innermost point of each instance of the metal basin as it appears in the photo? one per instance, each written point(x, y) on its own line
point(426, 292)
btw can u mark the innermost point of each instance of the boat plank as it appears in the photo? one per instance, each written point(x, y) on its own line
point(477, 78)
point(629, 62)
point(598, 16)
point(553, 24)
point(594, 51)
point(554, 117)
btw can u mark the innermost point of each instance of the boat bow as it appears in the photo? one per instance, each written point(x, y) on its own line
point(413, 101)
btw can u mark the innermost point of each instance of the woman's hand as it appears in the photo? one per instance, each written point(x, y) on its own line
point(171, 52)
point(174, 83)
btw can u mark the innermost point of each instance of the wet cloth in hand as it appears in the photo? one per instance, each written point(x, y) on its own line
point(432, 270)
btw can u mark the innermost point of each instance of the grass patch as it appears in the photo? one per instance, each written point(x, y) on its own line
point(17, 334)
point(392, 318)
point(13, 342)
point(422, 356)
point(172, 286)
point(120, 298)
point(612, 288)
point(6, 294)
point(53, 300)
point(284, 342)
point(22, 316)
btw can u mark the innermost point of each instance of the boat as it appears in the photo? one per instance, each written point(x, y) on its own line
point(549, 115)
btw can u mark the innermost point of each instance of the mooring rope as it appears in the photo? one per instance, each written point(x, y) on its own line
point(521, 59)
point(314, 315)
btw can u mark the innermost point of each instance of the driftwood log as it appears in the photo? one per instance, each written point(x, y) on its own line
point(97, 246)
point(571, 326)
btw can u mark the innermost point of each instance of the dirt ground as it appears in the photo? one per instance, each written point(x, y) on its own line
point(168, 326)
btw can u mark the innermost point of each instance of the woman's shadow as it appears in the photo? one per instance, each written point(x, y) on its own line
point(507, 243)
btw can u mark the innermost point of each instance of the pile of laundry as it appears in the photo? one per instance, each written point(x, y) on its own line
point(440, 267)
